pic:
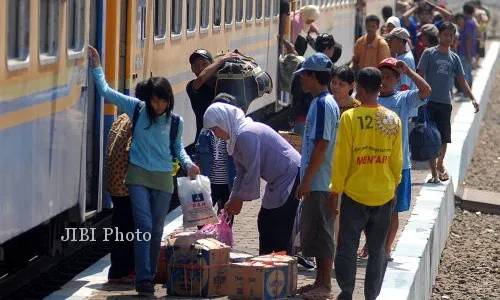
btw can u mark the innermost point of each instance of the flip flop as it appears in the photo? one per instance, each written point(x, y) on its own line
point(443, 176)
point(433, 180)
point(317, 295)
point(305, 289)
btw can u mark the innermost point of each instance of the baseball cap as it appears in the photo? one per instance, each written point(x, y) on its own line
point(394, 21)
point(399, 33)
point(317, 62)
point(389, 62)
point(201, 53)
point(429, 29)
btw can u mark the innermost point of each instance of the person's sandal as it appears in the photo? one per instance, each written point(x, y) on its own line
point(443, 176)
point(433, 180)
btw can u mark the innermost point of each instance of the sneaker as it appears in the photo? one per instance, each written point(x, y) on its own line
point(145, 287)
point(303, 261)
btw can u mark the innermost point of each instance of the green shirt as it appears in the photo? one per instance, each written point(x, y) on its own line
point(162, 181)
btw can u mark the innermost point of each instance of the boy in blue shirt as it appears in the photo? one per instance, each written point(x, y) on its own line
point(439, 66)
point(318, 206)
point(402, 103)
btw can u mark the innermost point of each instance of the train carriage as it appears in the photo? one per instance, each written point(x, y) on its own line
point(53, 125)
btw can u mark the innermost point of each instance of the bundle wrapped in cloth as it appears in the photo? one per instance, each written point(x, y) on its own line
point(197, 269)
point(263, 277)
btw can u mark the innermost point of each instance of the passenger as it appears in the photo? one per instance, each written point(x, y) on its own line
point(398, 40)
point(386, 14)
point(215, 162)
point(115, 168)
point(303, 22)
point(318, 210)
point(367, 169)
point(259, 152)
point(403, 103)
point(439, 66)
point(201, 91)
point(325, 43)
point(467, 49)
point(371, 48)
point(149, 174)
point(342, 86)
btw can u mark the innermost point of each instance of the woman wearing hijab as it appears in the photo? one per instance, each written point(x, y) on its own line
point(259, 152)
point(302, 22)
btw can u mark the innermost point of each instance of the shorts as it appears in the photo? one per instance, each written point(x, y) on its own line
point(440, 114)
point(316, 226)
point(403, 199)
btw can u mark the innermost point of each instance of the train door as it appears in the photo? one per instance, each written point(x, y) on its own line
point(93, 200)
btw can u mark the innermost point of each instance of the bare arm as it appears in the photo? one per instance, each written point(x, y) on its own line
point(209, 71)
point(317, 158)
point(407, 14)
point(465, 86)
point(447, 15)
point(424, 89)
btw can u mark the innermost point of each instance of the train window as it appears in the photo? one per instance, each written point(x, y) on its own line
point(249, 10)
point(258, 9)
point(276, 7)
point(49, 33)
point(239, 11)
point(191, 16)
point(176, 26)
point(204, 15)
point(18, 45)
point(160, 20)
point(228, 13)
point(217, 12)
point(268, 9)
point(76, 28)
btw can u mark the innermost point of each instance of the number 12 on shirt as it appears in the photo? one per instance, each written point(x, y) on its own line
point(365, 122)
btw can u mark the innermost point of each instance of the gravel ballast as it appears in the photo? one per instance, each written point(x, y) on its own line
point(470, 263)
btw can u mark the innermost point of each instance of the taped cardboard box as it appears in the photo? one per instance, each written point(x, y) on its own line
point(197, 269)
point(184, 237)
point(258, 280)
point(293, 269)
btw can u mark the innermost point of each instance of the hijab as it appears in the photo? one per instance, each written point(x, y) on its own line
point(229, 118)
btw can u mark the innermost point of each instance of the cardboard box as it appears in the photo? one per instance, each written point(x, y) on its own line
point(185, 238)
point(197, 269)
point(258, 280)
point(293, 269)
point(237, 256)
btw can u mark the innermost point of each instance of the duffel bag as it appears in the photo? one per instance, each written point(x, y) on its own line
point(244, 79)
point(425, 140)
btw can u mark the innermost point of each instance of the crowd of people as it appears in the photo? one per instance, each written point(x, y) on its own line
point(354, 166)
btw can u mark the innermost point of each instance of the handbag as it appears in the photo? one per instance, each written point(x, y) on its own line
point(425, 139)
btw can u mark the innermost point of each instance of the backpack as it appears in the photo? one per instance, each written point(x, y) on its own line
point(244, 79)
point(425, 140)
point(117, 149)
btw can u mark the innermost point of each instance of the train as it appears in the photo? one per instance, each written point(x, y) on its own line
point(53, 124)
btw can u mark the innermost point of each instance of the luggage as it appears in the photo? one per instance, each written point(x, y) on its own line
point(243, 79)
point(287, 65)
point(425, 140)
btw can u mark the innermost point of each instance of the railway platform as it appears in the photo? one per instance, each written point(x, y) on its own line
point(402, 277)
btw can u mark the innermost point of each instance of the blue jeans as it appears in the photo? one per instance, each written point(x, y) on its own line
point(354, 218)
point(150, 208)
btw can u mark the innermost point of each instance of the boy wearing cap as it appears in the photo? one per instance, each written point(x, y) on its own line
point(439, 66)
point(403, 103)
point(201, 91)
point(367, 170)
point(318, 209)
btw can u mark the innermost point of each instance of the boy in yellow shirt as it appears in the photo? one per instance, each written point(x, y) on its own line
point(368, 160)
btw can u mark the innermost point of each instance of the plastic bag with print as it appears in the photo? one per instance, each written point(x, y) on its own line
point(196, 201)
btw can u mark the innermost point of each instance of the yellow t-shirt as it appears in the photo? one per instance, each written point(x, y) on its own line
point(368, 156)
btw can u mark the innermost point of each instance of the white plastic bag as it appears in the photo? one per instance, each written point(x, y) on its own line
point(196, 201)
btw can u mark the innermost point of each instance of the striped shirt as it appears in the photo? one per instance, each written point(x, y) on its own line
point(219, 172)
